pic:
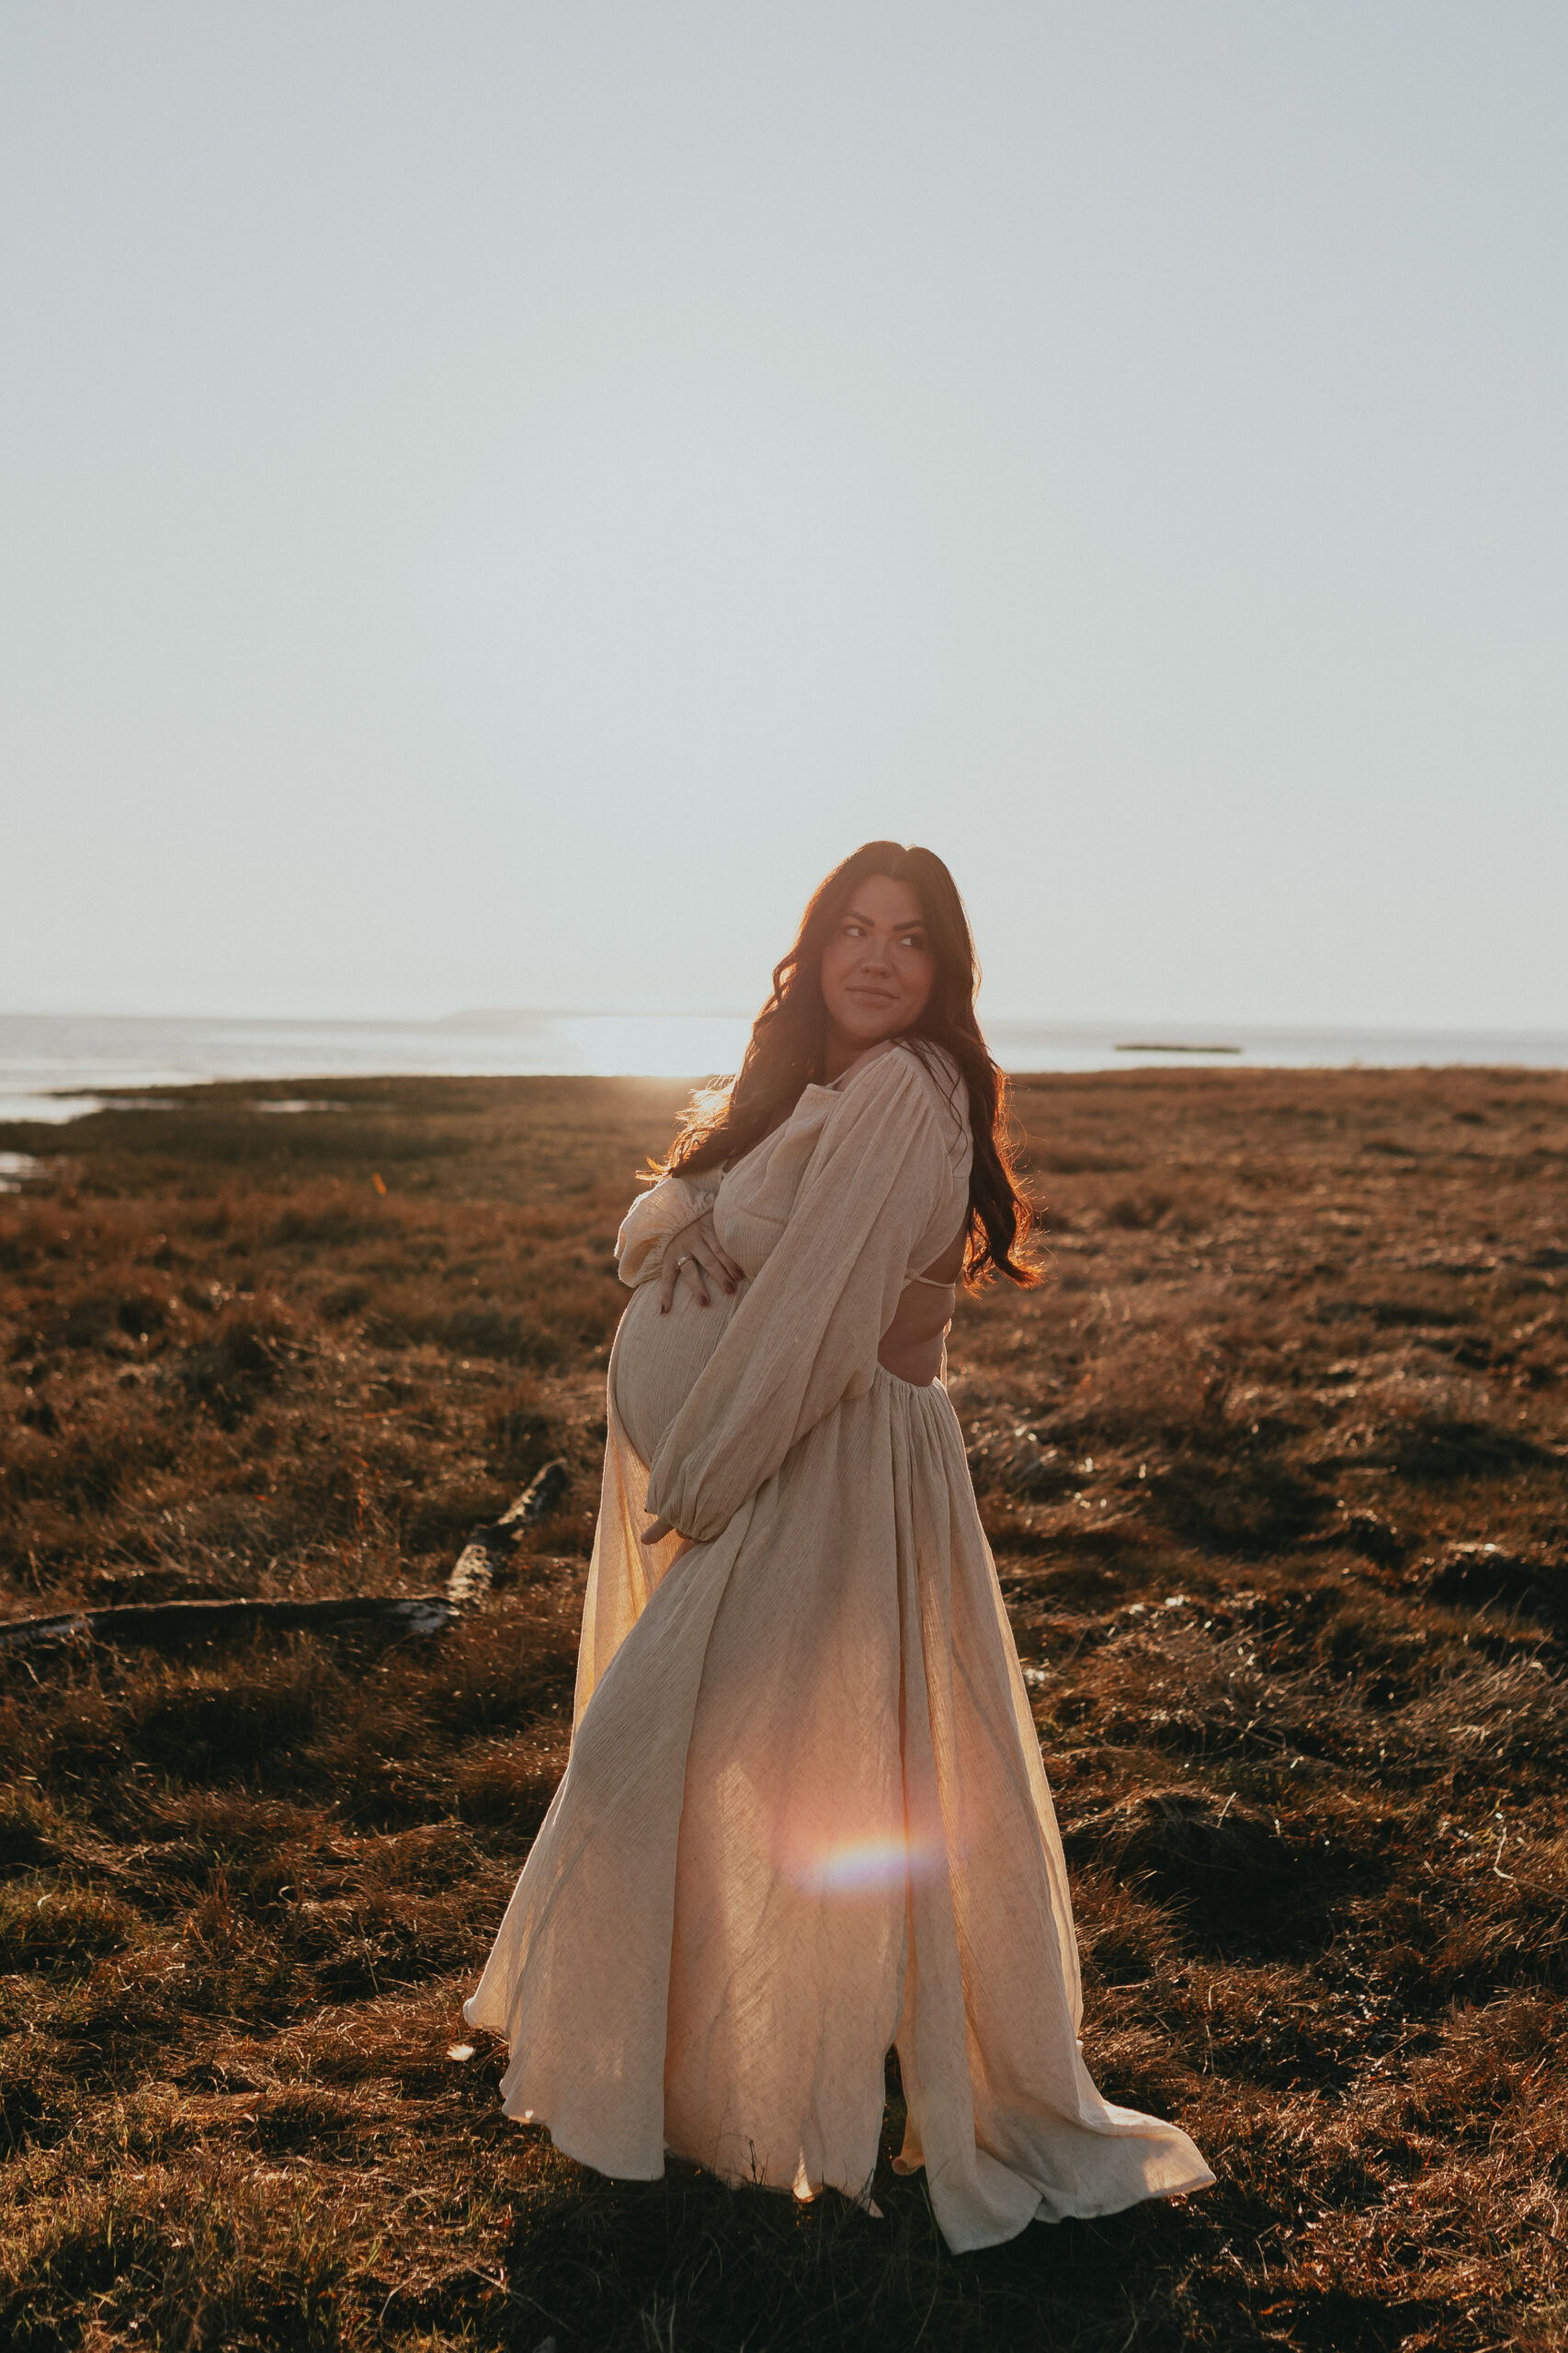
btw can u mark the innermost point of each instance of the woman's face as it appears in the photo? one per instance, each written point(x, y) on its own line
point(877, 971)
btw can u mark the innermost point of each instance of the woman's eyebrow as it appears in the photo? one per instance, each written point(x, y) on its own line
point(854, 915)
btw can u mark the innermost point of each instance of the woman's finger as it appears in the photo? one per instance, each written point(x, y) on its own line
point(713, 1262)
point(677, 1250)
point(721, 1260)
point(691, 1267)
point(656, 1530)
point(727, 1267)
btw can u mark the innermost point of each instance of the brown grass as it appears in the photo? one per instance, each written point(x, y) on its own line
point(1275, 1471)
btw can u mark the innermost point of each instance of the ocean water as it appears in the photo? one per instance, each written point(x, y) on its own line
point(56, 1066)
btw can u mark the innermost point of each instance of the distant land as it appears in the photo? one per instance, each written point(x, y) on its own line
point(55, 1066)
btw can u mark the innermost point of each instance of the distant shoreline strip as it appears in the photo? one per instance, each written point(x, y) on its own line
point(1161, 1047)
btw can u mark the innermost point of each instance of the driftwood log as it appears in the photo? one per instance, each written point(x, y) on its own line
point(492, 1544)
point(488, 1547)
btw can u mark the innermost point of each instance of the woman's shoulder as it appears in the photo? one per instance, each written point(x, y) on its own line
point(920, 1077)
point(945, 1090)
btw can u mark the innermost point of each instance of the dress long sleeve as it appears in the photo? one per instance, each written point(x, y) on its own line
point(804, 1336)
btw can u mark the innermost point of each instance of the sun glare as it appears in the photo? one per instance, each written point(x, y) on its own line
point(863, 1866)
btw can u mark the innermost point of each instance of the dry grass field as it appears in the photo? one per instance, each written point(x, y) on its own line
point(1275, 1470)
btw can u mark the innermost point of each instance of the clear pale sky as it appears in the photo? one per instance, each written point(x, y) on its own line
point(495, 499)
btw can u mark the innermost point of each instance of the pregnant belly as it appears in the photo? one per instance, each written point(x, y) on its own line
point(657, 1358)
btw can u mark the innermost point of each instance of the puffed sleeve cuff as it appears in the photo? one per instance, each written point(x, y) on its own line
point(648, 1225)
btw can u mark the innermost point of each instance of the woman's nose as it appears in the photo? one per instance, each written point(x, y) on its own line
point(874, 955)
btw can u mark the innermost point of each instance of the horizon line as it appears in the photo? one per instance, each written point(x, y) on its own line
point(1109, 1027)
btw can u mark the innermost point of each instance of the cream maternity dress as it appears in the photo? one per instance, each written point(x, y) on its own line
point(804, 1819)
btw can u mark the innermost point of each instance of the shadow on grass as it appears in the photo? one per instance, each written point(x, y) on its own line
point(686, 2262)
point(1248, 1506)
point(1237, 1883)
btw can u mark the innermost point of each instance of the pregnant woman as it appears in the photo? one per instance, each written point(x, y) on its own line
point(804, 1820)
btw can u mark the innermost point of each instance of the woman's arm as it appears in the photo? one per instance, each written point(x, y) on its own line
point(804, 1336)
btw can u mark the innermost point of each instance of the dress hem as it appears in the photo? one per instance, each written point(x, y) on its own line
point(1046, 2211)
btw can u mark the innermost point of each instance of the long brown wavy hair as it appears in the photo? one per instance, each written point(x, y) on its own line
point(789, 1044)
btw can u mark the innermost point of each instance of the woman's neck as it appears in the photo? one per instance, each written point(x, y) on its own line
point(840, 1053)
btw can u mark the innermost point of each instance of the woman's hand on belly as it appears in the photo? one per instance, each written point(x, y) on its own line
point(695, 1253)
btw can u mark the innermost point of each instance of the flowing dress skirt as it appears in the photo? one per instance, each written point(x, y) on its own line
point(805, 1821)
